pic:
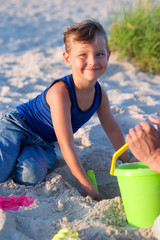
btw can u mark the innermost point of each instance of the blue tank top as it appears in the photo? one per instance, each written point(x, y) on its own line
point(38, 116)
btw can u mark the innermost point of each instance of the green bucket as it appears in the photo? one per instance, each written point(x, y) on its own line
point(140, 192)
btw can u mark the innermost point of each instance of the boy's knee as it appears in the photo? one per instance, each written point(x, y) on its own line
point(32, 165)
point(27, 175)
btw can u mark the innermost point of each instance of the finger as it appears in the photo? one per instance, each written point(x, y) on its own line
point(146, 126)
point(139, 131)
point(136, 132)
point(138, 128)
point(130, 139)
point(132, 132)
point(154, 119)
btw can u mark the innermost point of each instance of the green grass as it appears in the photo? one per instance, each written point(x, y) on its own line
point(136, 36)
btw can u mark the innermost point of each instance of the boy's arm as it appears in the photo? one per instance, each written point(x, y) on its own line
point(111, 127)
point(60, 106)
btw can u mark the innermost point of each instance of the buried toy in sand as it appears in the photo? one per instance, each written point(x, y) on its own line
point(66, 234)
point(12, 203)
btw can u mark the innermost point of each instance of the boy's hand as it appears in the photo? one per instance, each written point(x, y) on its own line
point(129, 160)
point(133, 160)
point(93, 193)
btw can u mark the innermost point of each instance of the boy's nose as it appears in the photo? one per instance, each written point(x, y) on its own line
point(92, 60)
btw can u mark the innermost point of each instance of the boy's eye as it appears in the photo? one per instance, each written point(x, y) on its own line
point(100, 54)
point(83, 55)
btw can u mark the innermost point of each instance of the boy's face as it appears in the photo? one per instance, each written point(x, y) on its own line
point(89, 60)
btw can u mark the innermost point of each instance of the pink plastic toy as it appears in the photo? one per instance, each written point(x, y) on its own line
point(14, 203)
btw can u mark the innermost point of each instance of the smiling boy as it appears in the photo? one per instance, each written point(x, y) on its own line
point(58, 112)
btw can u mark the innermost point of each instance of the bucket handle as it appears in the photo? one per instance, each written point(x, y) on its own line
point(116, 155)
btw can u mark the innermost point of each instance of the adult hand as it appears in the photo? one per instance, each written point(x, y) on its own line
point(144, 142)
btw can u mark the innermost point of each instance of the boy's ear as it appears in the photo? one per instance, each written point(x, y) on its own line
point(67, 59)
point(109, 53)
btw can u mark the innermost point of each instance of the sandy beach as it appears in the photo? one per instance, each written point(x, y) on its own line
point(31, 46)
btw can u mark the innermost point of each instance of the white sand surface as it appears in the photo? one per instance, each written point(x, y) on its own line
point(31, 45)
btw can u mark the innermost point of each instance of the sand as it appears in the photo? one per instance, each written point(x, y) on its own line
point(31, 47)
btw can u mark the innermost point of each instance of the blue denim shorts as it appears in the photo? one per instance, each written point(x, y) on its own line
point(24, 155)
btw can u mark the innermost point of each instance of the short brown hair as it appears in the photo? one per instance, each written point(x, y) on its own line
point(84, 32)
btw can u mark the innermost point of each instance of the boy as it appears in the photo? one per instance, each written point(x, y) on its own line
point(57, 113)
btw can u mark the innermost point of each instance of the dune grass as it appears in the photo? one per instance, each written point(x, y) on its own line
point(135, 35)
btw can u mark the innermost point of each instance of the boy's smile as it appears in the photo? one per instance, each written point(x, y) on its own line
point(89, 60)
